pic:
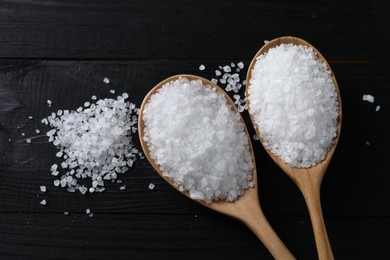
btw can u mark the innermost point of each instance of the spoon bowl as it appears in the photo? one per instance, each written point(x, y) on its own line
point(309, 179)
point(247, 207)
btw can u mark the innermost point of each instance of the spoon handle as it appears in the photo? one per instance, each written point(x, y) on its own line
point(257, 222)
point(311, 194)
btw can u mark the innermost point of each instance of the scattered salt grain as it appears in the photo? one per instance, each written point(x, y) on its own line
point(30, 117)
point(37, 131)
point(28, 140)
point(43, 202)
point(106, 80)
point(112, 91)
point(182, 122)
point(87, 211)
point(66, 213)
point(232, 82)
point(293, 101)
point(93, 97)
point(256, 138)
point(122, 187)
point(43, 188)
point(367, 143)
point(202, 67)
point(23, 134)
point(49, 102)
point(368, 98)
point(89, 139)
point(377, 108)
point(227, 68)
point(151, 186)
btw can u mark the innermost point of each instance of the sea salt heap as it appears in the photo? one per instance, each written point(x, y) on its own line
point(94, 142)
point(198, 140)
point(293, 101)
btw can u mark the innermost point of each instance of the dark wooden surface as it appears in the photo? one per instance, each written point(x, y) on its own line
point(61, 50)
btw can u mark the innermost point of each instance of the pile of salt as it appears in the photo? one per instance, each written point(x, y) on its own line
point(294, 104)
point(198, 140)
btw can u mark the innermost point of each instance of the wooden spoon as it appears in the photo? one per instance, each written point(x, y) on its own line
point(246, 208)
point(308, 180)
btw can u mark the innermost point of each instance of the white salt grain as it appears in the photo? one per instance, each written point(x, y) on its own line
point(256, 138)
point(37, 131)
point(30, 117)
point(293, 101)
point(218, 73)
point(28, 140)
point(377, 108)
point(151, 186)
point(112, 91)
point(43, 202)
point(87, 211)
point(106, 80)
point(202, 67)
point(183, 125)
point(240, 65)
point(42, 188)
point(368, 98)
point(93, 97)
point(49, 102)
point(227, 68)
point(367, 143)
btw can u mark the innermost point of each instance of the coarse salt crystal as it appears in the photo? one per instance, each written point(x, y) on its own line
point(202, 67)
point(151, 186)
point(43, 202)
point(227, 68)
point(377, 108)
point(42, 188)
point(368, 98)
point(106, 80)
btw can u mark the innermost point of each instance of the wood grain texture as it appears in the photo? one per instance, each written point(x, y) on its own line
point(69, 84)
point(145, 224)
point(153, 236)
point(62, 49)
point(346, 30)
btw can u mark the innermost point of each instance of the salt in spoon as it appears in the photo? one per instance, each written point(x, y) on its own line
point(309, 179)
point(247, 207)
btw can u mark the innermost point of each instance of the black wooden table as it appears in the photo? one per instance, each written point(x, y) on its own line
point(62, 49)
